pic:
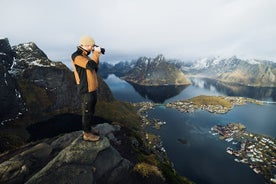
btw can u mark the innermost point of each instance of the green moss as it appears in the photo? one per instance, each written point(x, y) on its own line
point(147, 170)
point(171, 176)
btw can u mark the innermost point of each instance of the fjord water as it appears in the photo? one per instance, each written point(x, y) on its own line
point(203, 158)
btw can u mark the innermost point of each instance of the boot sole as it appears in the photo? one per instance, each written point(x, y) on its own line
point(87, 139)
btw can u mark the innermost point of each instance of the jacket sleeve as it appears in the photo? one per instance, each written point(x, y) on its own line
point(94, 62)
point(91, 65)
point(85, 63)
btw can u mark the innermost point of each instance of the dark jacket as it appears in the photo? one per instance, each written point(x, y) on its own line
point(85, 70)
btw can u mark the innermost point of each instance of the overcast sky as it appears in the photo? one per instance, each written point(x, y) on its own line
point(181, 29)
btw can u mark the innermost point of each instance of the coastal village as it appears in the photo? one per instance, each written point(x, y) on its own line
point(258, 151)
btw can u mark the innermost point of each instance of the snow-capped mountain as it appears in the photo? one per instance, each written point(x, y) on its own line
point(235, 70)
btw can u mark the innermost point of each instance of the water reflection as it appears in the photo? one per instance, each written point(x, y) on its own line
point(158, 94)
point(261, 93)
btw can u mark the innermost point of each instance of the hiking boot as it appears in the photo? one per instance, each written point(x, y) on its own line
point(90, 137)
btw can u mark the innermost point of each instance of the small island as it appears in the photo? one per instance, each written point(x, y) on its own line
point(213, 104)
point(258, 151)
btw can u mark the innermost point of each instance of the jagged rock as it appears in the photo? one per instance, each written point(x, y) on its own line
point(80, 155)
point(67, 159)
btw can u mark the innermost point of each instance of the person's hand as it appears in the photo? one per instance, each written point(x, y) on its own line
point(97, 49)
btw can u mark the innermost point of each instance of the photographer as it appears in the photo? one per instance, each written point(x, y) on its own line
point(85, 71)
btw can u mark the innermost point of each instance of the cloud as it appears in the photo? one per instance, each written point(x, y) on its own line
point(177, 28)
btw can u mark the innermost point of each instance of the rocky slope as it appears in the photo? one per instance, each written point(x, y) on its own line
point(69, 159)
point(155, 72)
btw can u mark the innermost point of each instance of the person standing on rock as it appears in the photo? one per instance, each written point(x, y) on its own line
point(85, 72)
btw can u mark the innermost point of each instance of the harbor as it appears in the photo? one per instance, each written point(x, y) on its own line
point(258, 151)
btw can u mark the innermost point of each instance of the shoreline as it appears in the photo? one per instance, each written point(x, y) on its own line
point(188, 106)
point(257, 151)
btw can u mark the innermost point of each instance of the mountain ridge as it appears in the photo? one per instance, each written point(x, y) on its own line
point(233, 70)
point(155, 72)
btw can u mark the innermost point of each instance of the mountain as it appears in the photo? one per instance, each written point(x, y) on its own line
point(33, 88)
point(155, 72)
point(234, 70)
point(119, 69)
point(34, 85)
point(36, 95)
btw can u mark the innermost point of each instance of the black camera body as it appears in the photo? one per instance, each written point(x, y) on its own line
point(102, 49)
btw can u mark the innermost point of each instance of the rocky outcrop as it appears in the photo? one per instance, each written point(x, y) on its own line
point(68, 159)
point(155, 72)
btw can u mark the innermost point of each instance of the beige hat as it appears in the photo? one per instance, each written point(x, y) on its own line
point(87, 40)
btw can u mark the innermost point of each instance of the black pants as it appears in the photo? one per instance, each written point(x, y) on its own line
point(88, 103)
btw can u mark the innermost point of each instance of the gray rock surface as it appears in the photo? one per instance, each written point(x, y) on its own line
point(67, 159)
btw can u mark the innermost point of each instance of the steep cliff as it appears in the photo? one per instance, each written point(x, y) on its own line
point(10, 97)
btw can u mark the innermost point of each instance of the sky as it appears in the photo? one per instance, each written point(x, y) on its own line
point(128, 29)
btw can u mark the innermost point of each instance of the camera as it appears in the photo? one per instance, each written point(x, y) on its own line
point(102, 49)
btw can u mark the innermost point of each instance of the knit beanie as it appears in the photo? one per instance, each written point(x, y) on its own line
point(87, 40)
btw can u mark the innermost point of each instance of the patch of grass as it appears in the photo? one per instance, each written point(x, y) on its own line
point(147, 170)
point(171, 176)
point(167, 171)
point(148, 158)
point(211, 100)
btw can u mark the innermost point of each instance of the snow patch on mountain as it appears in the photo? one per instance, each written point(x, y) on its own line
point(254, 62)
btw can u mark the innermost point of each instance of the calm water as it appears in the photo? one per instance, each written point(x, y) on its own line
point(203, 159)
